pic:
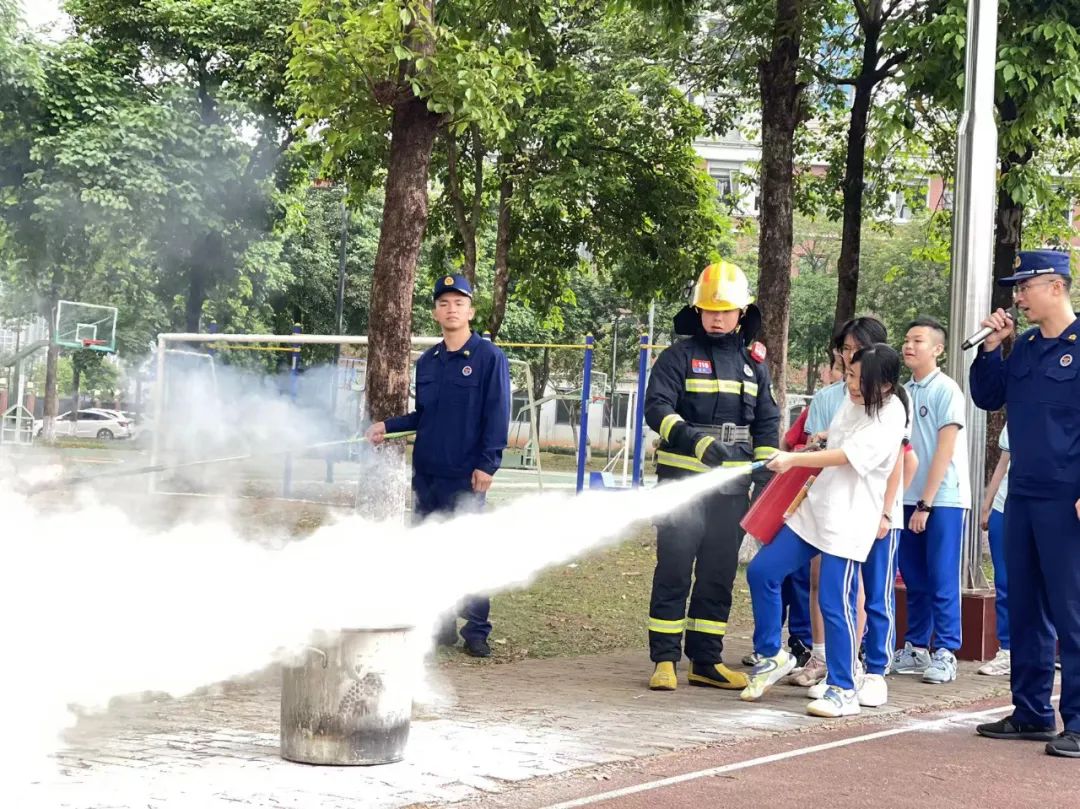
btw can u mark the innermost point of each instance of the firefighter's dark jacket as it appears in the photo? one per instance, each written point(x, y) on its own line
point(697, 385)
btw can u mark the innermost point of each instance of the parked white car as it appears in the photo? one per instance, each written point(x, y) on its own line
point(92, 423)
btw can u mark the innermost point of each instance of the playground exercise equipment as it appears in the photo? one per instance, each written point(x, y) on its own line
point(296, 340)
point(586, 388)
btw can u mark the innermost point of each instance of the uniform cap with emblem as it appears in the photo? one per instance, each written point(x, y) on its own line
point(1034, 263)
point(452, 283)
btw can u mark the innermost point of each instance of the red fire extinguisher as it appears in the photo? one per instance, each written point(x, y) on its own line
point(781, 497)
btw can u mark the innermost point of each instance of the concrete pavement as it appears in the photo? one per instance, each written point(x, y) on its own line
point(482, 730)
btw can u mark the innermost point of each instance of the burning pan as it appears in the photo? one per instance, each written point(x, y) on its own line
point(348, 699)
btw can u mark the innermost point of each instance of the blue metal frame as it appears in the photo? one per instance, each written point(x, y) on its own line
point(583, 434)
point(639, 417)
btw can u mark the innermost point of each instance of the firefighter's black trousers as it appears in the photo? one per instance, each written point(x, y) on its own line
point(700, 542)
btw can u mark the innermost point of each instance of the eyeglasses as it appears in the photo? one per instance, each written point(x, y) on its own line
point(1024, 287)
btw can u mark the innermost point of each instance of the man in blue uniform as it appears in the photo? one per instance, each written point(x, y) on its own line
point(461, 421)
point(1039, 384)
point(710, 399)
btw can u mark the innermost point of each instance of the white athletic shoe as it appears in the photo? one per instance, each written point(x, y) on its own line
point(1000, 666)
point(874, 691)
point(768, 672)
point(818, 691)
point(836, 702)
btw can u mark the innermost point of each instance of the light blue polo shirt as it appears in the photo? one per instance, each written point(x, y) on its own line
point(937, 402)
point(824, 406)
point(1003, 489)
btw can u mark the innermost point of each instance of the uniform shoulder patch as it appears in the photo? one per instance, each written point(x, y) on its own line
point(758, 351)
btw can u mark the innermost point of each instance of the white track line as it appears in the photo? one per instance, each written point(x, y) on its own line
point(928, 724)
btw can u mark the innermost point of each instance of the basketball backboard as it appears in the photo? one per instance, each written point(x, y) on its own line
point(86, 325)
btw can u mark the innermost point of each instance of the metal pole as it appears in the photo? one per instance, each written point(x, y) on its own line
point(586, 386)
point(611, 386)
point(639, 417)
point(972, 243)
point(630, 399)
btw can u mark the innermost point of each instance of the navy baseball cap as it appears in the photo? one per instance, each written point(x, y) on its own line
point(452, 283)
point(1033, 263)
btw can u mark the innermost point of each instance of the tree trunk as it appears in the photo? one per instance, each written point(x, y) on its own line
point(466, 225)
point(76, 380)
point(502, 257)
point(847, 266)
point(48, 426)
point(780, 112)
point(49, 416)
point(196, 297)
point(405, 212)
point(541, 374)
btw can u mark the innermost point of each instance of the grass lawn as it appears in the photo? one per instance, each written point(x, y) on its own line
point(599, 603)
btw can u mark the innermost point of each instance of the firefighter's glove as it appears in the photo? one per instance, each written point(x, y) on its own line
point(713, 453)
point(760, 478)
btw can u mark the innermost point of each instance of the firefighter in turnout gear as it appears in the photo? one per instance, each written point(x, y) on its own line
point(709, 398)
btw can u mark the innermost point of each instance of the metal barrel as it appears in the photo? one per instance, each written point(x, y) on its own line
point(348, 699)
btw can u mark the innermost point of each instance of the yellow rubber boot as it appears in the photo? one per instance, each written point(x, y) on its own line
point(663, 677)
point(716, 675)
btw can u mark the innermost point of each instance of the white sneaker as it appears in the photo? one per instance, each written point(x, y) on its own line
point(768, 672)
point(1000, 666)
point(874, 691)
point(836, 702)
point(818, 691)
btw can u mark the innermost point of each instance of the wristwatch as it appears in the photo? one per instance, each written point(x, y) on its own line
point(921, 506)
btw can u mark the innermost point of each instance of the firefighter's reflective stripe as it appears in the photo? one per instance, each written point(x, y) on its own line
point(764, 453)
point(702, 445)
point(665, 458)
point(668, 424)
point(708, 627)
point(751, 388)
point(732, 386)
point(667, 627)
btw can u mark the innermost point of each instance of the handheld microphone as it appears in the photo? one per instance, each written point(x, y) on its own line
point(986, 331)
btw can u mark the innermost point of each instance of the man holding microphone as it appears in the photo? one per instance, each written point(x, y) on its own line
point(1039, 383)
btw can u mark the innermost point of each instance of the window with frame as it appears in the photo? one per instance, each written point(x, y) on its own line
point(723, 178)
point(615, 409)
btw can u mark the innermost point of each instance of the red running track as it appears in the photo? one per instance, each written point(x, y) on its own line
point(932, 762)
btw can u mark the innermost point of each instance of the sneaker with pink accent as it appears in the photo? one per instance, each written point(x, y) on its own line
point(811, 674)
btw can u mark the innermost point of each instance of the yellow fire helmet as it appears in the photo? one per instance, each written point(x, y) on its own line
point(722, 287)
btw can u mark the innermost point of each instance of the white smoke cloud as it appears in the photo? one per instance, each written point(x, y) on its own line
point(96, 605)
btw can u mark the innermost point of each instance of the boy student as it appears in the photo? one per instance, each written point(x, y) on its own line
point(935, 507)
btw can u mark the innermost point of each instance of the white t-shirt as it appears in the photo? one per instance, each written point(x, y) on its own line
point(842, 510)
point(1003, 489)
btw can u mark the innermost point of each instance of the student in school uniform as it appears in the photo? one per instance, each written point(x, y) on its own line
point(992, 520)
point(837, 521)
point(855, 334)
point(936, 504)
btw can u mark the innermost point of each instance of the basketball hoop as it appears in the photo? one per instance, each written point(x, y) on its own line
point(89, 343)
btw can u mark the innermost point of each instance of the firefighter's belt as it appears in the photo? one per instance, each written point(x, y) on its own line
point(727, 433)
